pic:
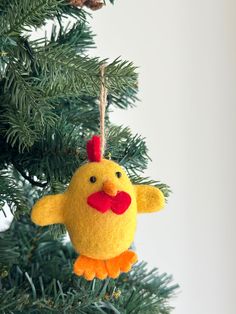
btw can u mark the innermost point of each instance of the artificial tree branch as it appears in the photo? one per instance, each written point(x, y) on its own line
point(29, 178)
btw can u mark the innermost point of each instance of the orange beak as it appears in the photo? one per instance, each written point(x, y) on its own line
point(109, 188)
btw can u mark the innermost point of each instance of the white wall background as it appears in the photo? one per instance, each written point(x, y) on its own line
point(186, 50)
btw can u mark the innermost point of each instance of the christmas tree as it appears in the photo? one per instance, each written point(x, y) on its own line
point(49, 89)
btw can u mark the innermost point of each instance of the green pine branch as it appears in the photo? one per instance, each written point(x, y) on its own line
point(11, 193)
point(131, 152)
point(78, 36)
point(55, 155)
point(9, 252)
point(18, 16)
point(24, 111)
point(123, 100)
point(63, 71)
point(43, 281)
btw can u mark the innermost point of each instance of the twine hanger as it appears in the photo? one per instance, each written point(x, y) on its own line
point(102, 107)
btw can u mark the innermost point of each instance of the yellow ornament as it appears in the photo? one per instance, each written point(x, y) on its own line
point(99, 210)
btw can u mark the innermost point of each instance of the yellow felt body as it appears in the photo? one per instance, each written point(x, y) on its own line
point(48, 210)
point(97, 235)
point(94, 234)
point(149, 199)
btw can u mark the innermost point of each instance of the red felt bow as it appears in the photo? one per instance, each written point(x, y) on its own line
point(103, 202)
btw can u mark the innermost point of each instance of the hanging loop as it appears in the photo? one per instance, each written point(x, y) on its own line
point(102, 106)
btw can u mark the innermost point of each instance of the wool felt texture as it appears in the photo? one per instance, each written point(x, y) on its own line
point(103, 202)
point(49, 210)
point(109, 188)
point(98, 232)
point(94, 149)
point(91, 268)
point(149, 199)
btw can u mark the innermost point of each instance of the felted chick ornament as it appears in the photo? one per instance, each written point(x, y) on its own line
point(99, 209)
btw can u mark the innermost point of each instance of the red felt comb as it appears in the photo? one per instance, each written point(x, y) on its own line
point(94, 148)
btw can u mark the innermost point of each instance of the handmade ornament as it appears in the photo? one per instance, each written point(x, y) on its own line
point(91, 4)
point(99, 209)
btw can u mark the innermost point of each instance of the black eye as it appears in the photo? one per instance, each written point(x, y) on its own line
point(92, 179)
point(118, 174)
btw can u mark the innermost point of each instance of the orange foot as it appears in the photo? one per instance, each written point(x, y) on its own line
point(91, 268)
point(120, 263)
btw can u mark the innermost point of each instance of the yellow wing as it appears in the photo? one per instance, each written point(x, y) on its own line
point(48, 210)
point(149, 199)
